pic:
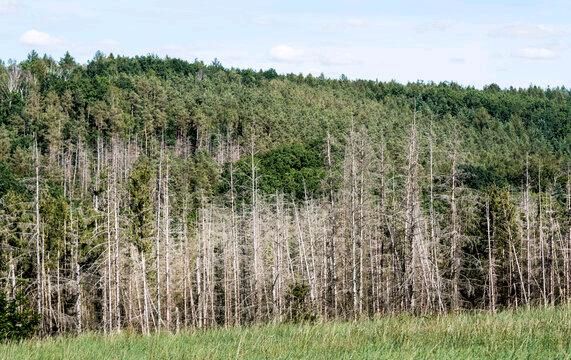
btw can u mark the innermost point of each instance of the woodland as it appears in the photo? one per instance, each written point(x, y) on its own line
point(156, 194)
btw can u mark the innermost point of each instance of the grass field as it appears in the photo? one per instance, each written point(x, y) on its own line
point(524, 334)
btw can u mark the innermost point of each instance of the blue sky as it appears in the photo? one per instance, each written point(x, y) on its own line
point(472, 42)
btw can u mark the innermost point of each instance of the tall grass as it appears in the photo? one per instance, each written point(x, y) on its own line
point(524, 334)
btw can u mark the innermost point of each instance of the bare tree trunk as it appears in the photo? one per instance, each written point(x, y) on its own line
point(491, 262)
point(512, 250)
point(331, 257)
point(130, 295)
point(226, 270)
point(302, 248)
point(361, 197)
point(313, 274)
point(37, 236)
point(109, 273)
point(146, 325)
point(158, 241)
point(117, 249)
point(12, 274)
point(279, 268)
point(255, 240)
point(355, 246)
point(167, 250)
point(48, 301)
point(454, 246)
point(552, 252)
point(59, 309)
point(413, 276)
point(186, 275)
point(433, 240)
point(542, 243)
point(527, 231)
point(383, 275)
point(236, 253)
point(78, 302)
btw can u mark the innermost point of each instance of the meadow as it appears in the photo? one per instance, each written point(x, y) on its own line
point(521, 334)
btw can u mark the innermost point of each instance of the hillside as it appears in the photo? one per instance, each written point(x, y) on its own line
point(150, 194)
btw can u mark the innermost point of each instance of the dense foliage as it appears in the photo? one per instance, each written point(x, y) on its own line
point(239, 184)
point(17, 320)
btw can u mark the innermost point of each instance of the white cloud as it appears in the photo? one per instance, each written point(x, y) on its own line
point(357, 22)
point(263, 20)
point(533, 53)
point(286, 53)
point(38, 38)
point(342, 24)
point(434, 26)
point(8, 7)
point(527, 31)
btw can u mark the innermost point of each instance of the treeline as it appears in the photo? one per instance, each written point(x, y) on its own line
point(150, 194)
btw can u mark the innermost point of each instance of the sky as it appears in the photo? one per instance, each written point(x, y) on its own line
point(471, 42)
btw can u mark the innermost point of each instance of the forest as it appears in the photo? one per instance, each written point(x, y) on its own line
point(156, 194)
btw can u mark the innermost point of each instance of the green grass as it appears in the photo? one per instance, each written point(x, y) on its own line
point(533, 334)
